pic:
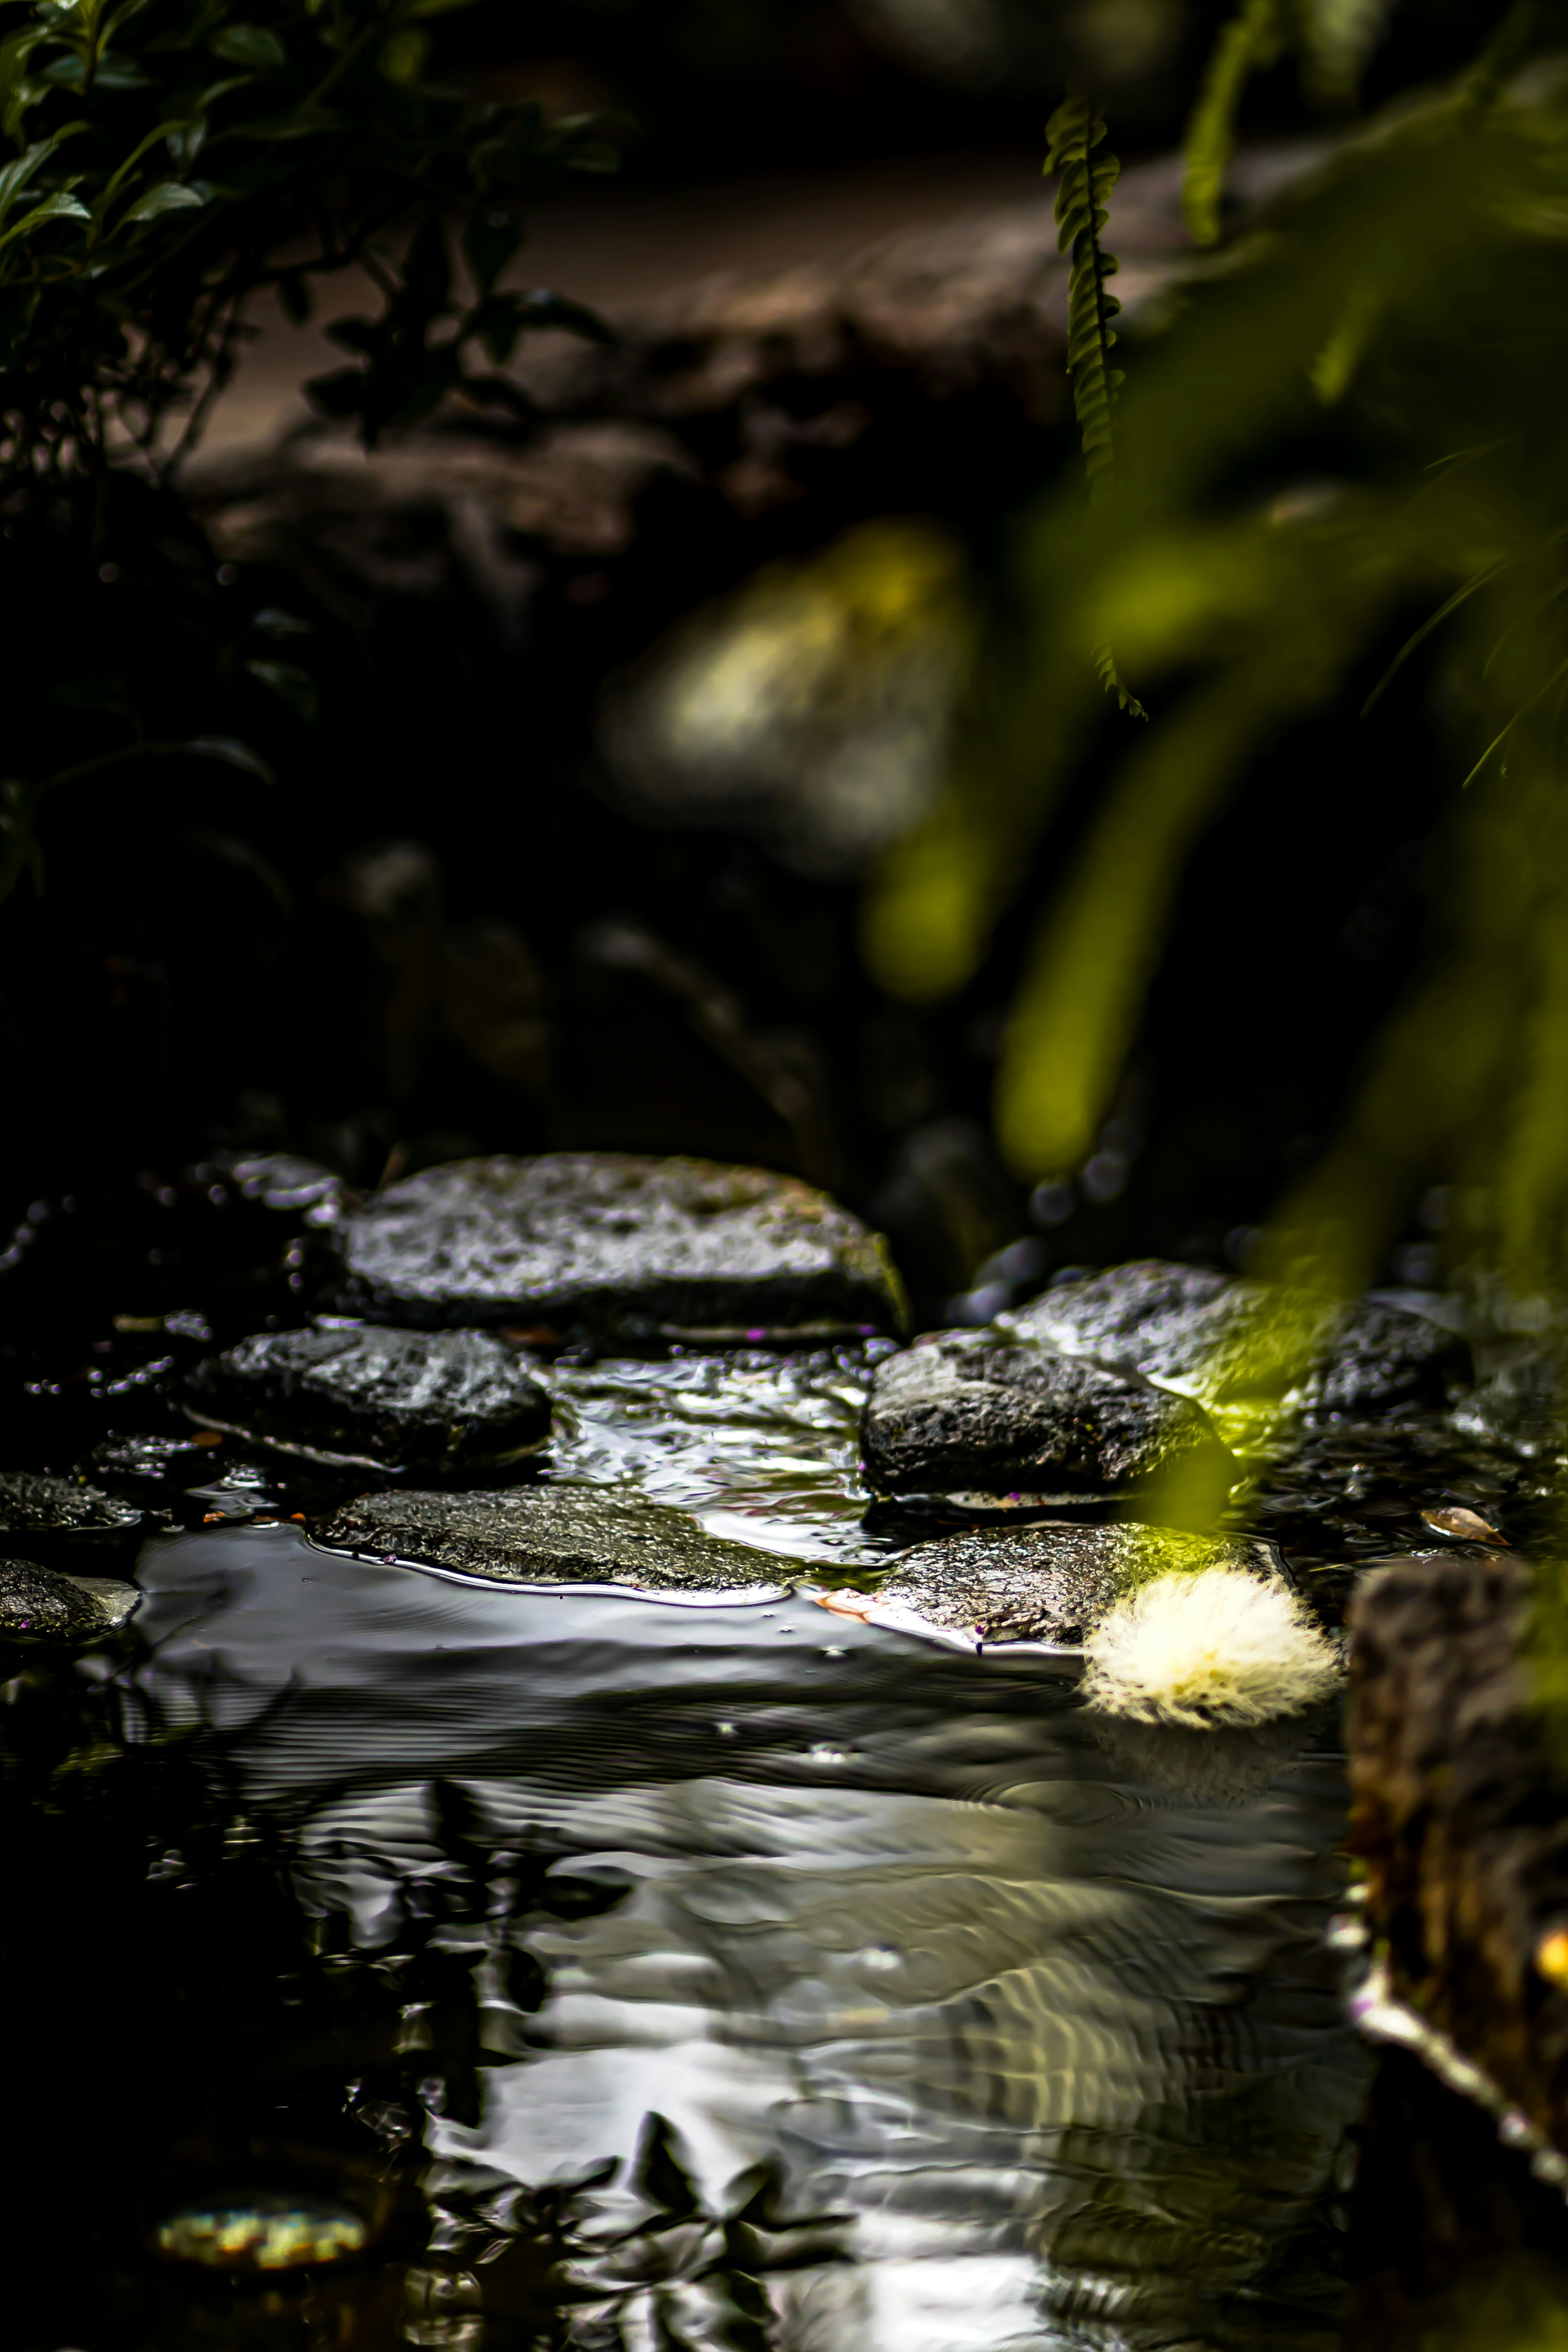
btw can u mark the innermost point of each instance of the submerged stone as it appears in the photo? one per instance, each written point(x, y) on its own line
point(62, 1510)
point(51, 1607)
point(964, 1411)
point(444, 1405)
point(549, 1535)
point(1192, 1330)
point(596, 1244)
point(1050, 1583)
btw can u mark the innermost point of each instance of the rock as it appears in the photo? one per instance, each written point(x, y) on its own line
point(56, 1608)
point(1049, 1584)
point(284, 1182)
point(607, 1245)
point(1190, 1328)
point(62, 1511)
point(1457, 1816)
point(549, 1535)
point(964, 1410)
point(444, 1405)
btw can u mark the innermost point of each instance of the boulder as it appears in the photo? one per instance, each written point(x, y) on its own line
point(442, 1404)
point(1190, 1328)
point(965, 1410)
point(38, 1601)
point(609, 1245)
point(35, 1508)
point(555, 1535)
point(1048, 1584)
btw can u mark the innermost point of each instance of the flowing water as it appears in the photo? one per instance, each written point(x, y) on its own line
point(413, 1960)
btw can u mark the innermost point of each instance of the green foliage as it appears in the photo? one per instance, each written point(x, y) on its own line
point(164, 162)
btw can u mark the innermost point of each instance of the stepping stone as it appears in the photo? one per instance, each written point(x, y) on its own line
point(1190, 1328)
point(38, 1601)
point(442, 1404)
point(68, 1511)
point(962, 1411)
point(602, 1244)
point(1046, 1585)
point(554, 1535)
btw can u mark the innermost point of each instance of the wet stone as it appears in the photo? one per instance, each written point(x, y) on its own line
point(586, 1245)
point(547, 1535)
point(1189, 1328)
point(965, 1410)
point(1046, 1583)
point(50, 1607)
point(442, 1404)
point(35, 1507)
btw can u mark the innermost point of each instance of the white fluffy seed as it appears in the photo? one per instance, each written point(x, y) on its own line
point(1216, 1647)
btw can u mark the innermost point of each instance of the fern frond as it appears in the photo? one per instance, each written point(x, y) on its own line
point(1106, 671)
point(1249, 43)
point(1083, 194)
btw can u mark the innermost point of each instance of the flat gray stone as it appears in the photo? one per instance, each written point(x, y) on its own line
point(54, 1608)
point(1190, 1328)
point(552, 1534)
point(1046, 1583)
point(442, 1404)
point(602, 1244)
point(34, 1507)
point(965, 1410)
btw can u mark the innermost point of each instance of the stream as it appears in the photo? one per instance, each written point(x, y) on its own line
point(428, 1961)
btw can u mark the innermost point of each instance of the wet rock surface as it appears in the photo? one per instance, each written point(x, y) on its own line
point(535, 1534)
point(965, 1410)
point(444, 1405)
point(1190, 1328)
point(40, 1602)
point(151, 1469)
point(1457, 1817)
point(37, 1509)
point(588, 1243)
point(1042, 1583)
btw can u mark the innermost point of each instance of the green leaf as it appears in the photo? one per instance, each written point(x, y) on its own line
point(171, 196)
point(1083, 192)
point(295, 687)
point(248, 45)
point(56, 207)
point(403, 58)
point(488, 244)
point(231, 752)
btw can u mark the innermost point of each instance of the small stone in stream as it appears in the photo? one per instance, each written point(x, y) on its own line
point(549, 1535)
point(282, 1182)
point(962, 1410)
point(1191, 1328)
point(1049, 1583)
point(596, 1244)
point(63, 1510)
point(50, 1607)
point(444, 1405)
point(1461, 1526)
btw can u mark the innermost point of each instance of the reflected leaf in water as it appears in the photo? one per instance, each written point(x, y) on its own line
point(811, 707)
point(261, 2231)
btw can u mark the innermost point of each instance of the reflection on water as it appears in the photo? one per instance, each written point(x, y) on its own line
point(797, 1962)
point(764, 1448)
